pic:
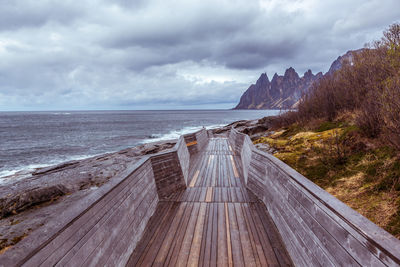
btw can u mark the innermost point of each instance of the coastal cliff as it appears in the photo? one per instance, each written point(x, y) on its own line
point(284, 92)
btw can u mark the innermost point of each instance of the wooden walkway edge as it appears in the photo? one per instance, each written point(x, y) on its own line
point(216, 221)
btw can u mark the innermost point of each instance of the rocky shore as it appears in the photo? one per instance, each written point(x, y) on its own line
point(29, 203)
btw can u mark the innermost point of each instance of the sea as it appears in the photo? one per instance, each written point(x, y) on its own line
point(30, 140)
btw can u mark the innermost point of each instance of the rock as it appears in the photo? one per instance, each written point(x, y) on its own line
point(58, 167)
point(254, 130)
point(284, 92)
point(19, 202)
point(30, 202)
point(338, 63)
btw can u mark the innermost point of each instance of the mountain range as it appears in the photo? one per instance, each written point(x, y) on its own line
point(284, 92)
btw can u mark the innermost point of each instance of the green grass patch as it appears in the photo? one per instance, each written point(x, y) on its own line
point(292, 130)
point(328, 125)
point(394, 224)
point(392, 179)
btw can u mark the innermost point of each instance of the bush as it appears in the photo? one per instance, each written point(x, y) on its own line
point(368, 85)
point(390, 101)
point(369, 118)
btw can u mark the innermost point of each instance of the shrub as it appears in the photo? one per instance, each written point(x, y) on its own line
point(368, 85)
point(390, 102)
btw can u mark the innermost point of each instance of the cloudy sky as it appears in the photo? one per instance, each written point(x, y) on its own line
point(158, 54)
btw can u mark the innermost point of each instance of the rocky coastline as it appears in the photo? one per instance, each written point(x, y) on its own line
point(29, 203)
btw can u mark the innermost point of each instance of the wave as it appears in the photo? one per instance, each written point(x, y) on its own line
point(61, 113)
point(25, 171)
point(175, 134)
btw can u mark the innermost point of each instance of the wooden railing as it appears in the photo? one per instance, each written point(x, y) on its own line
point(105, 227)
point(316, 228)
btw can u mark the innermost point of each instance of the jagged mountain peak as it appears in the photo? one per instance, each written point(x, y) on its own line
point(285, 91)
point(263, 79)
point(308, 74)
point(290, 73)
point(282, 92)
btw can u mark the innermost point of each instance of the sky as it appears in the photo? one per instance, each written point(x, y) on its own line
point(158, 54)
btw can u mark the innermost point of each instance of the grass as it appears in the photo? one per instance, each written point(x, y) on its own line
point(359, 171)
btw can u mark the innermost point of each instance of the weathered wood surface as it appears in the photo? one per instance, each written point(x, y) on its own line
point(196, 141)
point(171, 169)
point(216, 202)
point(105, 228)
point(216, 221)
point(105, 232)
point(316, 228)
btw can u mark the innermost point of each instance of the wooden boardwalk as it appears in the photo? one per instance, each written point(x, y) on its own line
point(216, 221)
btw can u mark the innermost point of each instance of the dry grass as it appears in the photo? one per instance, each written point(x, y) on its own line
point(362, 180)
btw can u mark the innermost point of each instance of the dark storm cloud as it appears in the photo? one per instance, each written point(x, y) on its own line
point(27, 13)
point(235, 36)
point(110, 54)
point(253, 53)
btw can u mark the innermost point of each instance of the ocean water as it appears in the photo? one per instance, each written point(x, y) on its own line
point(30, 140)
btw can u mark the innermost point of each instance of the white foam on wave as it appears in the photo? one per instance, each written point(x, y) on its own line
point(61, 113)
point(7, 176)
point(175, 134)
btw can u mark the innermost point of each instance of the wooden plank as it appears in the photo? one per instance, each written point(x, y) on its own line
point(213, 172)
point(166, 244)
point(197, 194)
point(214, 238)
point(191, 143)
point(227, 174)
point(176, 246)
point(197, 238)
point(239, 194)
point(258, 245)
point(188, 237)
point(224, 194)
point(303, 242)
point(235, 171)
point(102, 240)
point(218, 177)
point(155, 232)
point(67, 240)
point(203, 194)
point(268, 240)
point(152, 227)
point(232, 192)
point(228, 236)
point(244, 237)
point(206, 172)
point(235, 237)
point(160, 236)
point(210, 158)
point(202, 167)
point(353, 246)
point(204, 259)
point(122, 249)
point(222, 259)
point(216, 194)
point(209, 195)
point(194, 179)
